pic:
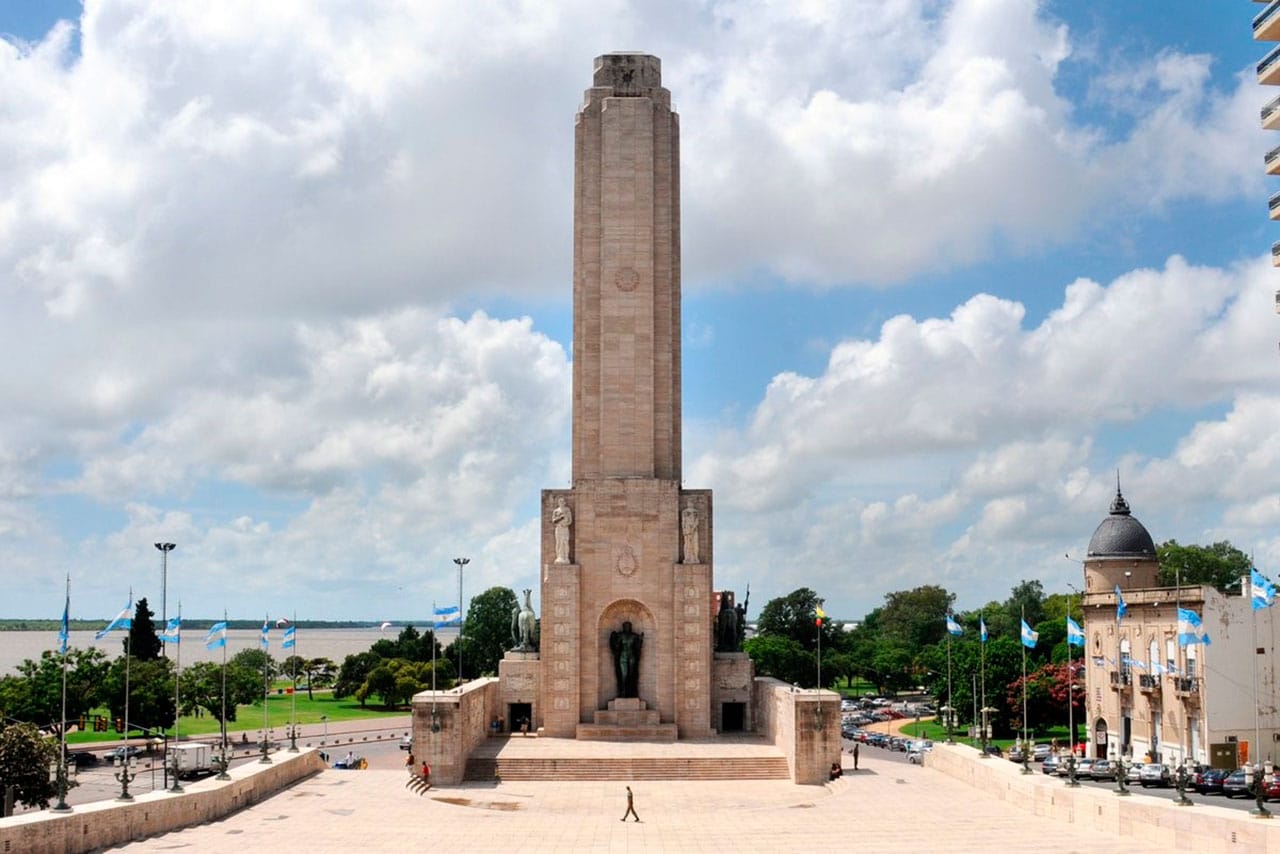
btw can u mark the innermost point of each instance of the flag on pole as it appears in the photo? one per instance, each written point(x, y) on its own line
point(448, 614)
point(819, 616)
point(1190, 630)
point(1120, 606)
point(1029, 637)
point(289, 638)
point(123, 620)
point(1264, 592)
point(953, 627)
point(1075, 634)
point(266, 634)
point(217, 636)
point(982, 629)
point(64, 633)
point(172, 631)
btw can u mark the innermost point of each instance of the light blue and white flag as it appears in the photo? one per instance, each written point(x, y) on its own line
point(1158, 669)
point(953, 627)
point(1029, 637)
point(1190, 630)
point(448, 614)
point(1264, 592)
point(64, 633)
point(266, 634)
point(982, 629)
point(289, 638)
point(1121, 608)
point(1075, 634)
point(217, 636)
point(123, 620)
point(172, 631)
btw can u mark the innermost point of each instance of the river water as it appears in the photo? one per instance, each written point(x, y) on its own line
point(336, 644)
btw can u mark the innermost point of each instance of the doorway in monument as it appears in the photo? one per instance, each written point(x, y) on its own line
point(733, 717)
point(519, 713)
point(1100, 739)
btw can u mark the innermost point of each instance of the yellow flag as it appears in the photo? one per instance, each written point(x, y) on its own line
point(820, 614)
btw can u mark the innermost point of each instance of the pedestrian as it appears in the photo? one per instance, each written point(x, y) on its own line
point(855, 756)
point(631, 807)
point(408, 763)
point(426, 774)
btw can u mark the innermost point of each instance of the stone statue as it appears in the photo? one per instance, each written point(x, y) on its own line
point(528, 622)
point(741, 613)
point(625, 646)
point(689, 528)
point(562, 518)
point(515, 627)
point(726, 626)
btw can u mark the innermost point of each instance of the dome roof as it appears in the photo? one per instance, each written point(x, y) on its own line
point(1121, 535)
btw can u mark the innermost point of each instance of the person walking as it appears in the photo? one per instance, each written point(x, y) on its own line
point(631, 806)
point(426, 774)
point(855, 756)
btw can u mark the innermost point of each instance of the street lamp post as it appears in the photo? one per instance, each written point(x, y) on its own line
point(461, 562)
point(164, 548)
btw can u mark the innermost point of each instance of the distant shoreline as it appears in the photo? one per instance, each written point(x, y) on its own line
point(13, 625)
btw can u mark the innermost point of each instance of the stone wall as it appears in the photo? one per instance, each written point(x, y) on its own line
point(463, 715)
point(804, 725)
point(1201, 828)
point(732, 681)
point(105, 824)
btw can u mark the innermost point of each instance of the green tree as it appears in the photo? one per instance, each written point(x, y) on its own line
point(353, 673)
point(149, 702)
point(488, 630)
point(793, 616)
point(143, 641)
point(782, 658)
point(320, 672)
point(916, 618)
point(35, 693)
point(1025, 602)
point(1221, 564)
point(202, 688)
point(25, 758)
point(381, 682)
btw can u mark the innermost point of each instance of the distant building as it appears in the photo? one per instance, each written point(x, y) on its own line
point(1266, 27)
point(1149, 695)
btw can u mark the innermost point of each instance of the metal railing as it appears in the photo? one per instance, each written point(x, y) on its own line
point(1149, 683)
point(1268, 60)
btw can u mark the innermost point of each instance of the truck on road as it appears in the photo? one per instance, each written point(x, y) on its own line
point(191, 760)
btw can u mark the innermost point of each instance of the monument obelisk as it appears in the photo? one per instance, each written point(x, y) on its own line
point(626, 552)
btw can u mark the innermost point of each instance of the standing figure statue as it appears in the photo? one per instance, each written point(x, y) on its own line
point(515, 626)
point(562, 519)
point(689, 528)
point(625, 646)
point(741, 613)
point(726, 626)
point(528, 622)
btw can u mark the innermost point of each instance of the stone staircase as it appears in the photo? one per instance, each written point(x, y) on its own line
point(628, 768)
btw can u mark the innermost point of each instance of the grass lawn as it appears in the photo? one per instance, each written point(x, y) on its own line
point(936, 732)
point(279, 715)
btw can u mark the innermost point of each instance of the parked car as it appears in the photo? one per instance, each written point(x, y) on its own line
point(1015, 754)
point(1156, 774)
point(1134, 774)
point(1040, 752)
point(1050, 764)
point(915, 757)
point(82, 759)
point(350, 762)
point(1271, 787)
point(1084, 767)
point(1234, 785)
point(1209, 781)
point(1103, 769)
point(116, 754)
point(406, 743)
point(994, 750)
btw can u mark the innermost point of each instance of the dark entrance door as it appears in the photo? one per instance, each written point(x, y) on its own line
point(732, 717)
point(520, 714)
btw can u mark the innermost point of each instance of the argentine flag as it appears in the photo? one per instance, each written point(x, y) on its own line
point(1264, 592)
point(1121, 608)
point(289, 638)
point(123, 620)
point(982, 629)
point(1189, 628)
point(266, 634)
point(953, 627)
point(172, 631)
point(1075, 634)
point(448, 614)
point(1029, 637)
point(217, 636)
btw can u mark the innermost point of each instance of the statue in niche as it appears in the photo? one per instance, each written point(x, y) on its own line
point(625, 646)
point(527, 622)
point(726, 626)
point(689, 528)
point(562, 519)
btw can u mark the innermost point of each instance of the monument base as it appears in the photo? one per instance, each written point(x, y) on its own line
point(627, 719)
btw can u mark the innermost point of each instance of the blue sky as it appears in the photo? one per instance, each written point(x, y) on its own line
point(289, 286)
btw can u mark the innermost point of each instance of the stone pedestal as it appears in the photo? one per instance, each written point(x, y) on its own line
point(732, 682)
point(518, 677)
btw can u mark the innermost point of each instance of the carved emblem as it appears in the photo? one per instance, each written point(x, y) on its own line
point(627, 279)
point(625, 561)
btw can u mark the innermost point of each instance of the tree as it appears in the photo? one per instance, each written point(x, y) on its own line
point(202, 688)
point(916, 618)
point(320, 672)
point(353, 673)
point(1047, 688)
point(143, 641)
point(488, 630)
point(1025, 602)
point(782, 658)
point(25, 758)
point(150, 692)
point(792, 616)
point(35, 694)
point(1221, 564)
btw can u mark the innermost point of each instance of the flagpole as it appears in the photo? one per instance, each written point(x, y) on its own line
point(1026, 736)
point(177, 709)
point(435, 720)
point(62, 805)
point(123, 776)
point(950, 709)
point(982, 647)
point(223, 775)
point(266, 686)
point(293, 712)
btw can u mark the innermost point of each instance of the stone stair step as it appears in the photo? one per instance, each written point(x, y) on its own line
point(640, 768)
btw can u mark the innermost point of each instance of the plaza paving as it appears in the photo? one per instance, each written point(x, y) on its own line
point(885, 806)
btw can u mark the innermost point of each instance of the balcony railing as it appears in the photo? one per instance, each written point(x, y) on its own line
point(1269, 111)
point(1149, 683)
point(1121, 679)
point(1186, 686)
point(1263, 19)
point(1267, 62)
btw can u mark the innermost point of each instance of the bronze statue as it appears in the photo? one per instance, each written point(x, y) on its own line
point(528, 622)
point(625, 646)
point(741, 611)
point(726, 626)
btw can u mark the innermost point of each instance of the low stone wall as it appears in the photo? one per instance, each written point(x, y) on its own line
point(463, 715)
point(1200, 828)
point(804, 725)
point(103, 824)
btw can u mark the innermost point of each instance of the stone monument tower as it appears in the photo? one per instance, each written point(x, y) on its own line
point(626, 552)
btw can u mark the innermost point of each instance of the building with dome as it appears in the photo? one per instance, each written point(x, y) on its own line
point(1149, 695)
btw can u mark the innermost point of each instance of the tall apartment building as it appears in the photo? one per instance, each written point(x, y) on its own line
point(1266, 28)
